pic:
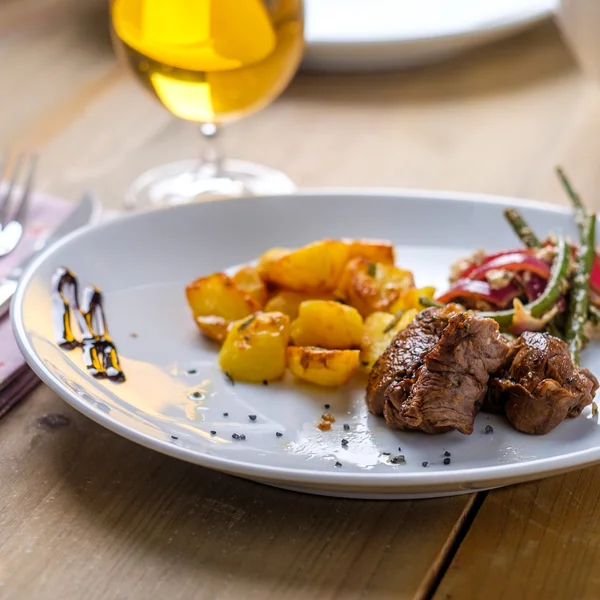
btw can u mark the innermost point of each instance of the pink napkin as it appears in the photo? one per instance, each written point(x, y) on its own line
point(16, 379)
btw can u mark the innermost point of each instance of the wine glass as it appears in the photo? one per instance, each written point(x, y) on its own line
point(210, 62)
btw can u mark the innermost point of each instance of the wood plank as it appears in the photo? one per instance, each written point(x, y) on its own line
point(532, 541)
point(86, 513)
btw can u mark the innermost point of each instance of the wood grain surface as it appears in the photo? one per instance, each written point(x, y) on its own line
point(538, 540)
point(86, 514)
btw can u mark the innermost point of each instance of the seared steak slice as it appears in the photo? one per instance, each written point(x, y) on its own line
point(447, 390)
point(406, 352)
point(541, 386)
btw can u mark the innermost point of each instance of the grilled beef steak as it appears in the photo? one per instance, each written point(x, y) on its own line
point(433, 377)
point(539, 385)
point(406, 352)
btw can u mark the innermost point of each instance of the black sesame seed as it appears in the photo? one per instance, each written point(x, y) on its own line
point(338, 464)
point(252, 417)
point(225, 414)
point(386, 453)
point(489, 429)
point(192, 371)
point(447, 461)
point(174, 437)
point(279, 434)
point(397, 460)
point(197, 394)
point(213, 432)
point(424, 463)
point(344, 442)
point(327, 406)
point(230, 378)
point(242, 436)
point(399, 449)
point(346, 427)
point(235, 436)
point(447, 453)
point(265, 382)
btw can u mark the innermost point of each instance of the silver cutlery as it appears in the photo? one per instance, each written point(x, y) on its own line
point(86, 212)
point(14, 206)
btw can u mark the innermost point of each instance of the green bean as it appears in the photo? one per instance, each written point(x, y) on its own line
point(521, 228)
point(578, 206)
point(425, 301)
point(580, 290)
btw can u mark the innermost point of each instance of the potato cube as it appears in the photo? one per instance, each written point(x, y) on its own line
point(315, 268)
point(266, 261)
point(218, 295)
point(248, 279)
point(331, 368)
point(379, 331)
point(289, 302)
point(215, 328)
point(372, 287)
point(327, 324)
point(377, 251)
point(255, 348)
point(411, 299)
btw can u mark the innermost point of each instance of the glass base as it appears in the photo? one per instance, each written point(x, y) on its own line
point(190, 180)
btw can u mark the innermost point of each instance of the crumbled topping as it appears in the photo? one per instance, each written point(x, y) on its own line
point(464, 263)
point(499, 278)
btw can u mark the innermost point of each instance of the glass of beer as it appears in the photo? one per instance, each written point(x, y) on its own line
point(210, 62)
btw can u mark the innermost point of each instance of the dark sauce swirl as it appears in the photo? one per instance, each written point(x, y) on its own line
point(99, 353)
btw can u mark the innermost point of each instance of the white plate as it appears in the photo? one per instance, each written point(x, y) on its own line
point(352, 35)
point(143, 262)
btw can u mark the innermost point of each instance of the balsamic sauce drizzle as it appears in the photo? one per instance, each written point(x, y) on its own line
point(99, 353)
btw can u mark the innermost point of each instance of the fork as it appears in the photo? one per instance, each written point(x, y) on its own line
point(14, 206)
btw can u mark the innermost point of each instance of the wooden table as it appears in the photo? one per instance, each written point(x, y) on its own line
point(86, 514)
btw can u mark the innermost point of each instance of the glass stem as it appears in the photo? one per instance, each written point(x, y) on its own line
point(211, 156)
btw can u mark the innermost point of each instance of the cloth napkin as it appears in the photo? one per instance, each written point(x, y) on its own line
point(16, 379)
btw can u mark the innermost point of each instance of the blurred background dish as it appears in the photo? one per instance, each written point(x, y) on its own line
point(353, 35)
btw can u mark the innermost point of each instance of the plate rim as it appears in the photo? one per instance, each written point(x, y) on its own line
point(473, 478)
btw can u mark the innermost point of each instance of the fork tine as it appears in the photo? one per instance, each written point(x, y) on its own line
point(23, 208)
point(5, 200)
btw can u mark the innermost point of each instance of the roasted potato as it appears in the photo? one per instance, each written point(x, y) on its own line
point(327, 324)
point(266, 261)
point(289, 302)
point(315, 268)
point(218, 295)
point(255, 348)
point(373, 287)
point(248, 279)
point(377, 337)
point(410, 299)
point(330, 368)
point(377, 251)
point(215, 328)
